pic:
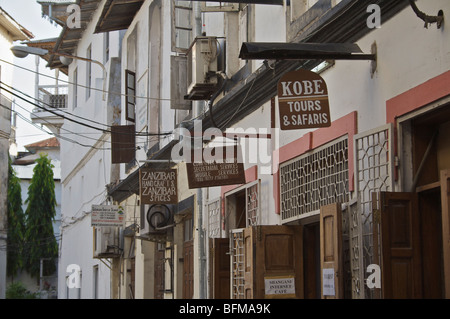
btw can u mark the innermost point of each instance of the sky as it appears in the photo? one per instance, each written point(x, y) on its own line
point(28, 14)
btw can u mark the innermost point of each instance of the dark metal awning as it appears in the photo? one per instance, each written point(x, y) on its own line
point(117, 15)
point(302, 51)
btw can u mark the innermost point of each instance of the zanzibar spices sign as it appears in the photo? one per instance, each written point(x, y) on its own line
point(158, 186)
point(220, 166)
point(303, 101)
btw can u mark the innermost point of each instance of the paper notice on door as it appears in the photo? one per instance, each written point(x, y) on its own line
point(328, 282)
point(279, 286)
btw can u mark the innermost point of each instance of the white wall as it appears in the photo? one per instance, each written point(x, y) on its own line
point(86, 170)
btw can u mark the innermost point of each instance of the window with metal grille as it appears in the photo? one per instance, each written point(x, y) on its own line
point(373, 173)
point(315, 179)
point(214, 219)
point(237, 250)
point(252, 204)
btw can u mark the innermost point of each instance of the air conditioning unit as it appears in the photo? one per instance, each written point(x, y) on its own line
point(203, 65)
point(158, 221)
point(107, 242)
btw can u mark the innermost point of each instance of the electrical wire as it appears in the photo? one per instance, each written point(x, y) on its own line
point(95, 89)
point(53, 134)
point(84, 86)
point(69, 132)
point(59, 109)
point(76, 121)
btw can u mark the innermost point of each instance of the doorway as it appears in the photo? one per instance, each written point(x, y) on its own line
point(412, 222)
point(311, 260)
point(236, 210)
point(430, 156)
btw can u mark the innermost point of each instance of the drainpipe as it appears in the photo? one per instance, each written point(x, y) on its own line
point(198, 109)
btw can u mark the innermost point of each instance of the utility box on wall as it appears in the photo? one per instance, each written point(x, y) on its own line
point(107, 243)
point(203, 66)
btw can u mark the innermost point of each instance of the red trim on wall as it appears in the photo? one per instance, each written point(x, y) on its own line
point(346, 125)
point(413, 99)
point(251, 175)
point(418, 97)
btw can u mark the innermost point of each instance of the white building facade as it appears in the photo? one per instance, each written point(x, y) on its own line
point(329, 202)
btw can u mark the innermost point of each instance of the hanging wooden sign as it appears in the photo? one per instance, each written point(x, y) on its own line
point(220, 166)
point(158, 186)
point(303, 101)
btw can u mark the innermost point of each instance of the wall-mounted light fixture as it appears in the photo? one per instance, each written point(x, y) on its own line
point(66, 59)
point(439, 19)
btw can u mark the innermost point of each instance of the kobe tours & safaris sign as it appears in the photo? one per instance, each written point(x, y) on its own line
point(303, 101)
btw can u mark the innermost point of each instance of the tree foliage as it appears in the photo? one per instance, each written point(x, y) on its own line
point(17, 290)
point(40, 241)
point(16, 223)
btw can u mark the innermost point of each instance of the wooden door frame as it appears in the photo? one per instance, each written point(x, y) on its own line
point(445, 200)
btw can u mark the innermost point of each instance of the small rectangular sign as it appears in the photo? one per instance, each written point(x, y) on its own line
point(223, 166)
point(328, 282)
point(107, 215)
point(279, 286)
point(158, 186)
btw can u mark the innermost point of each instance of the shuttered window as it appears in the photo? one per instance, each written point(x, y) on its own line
point(130, 84)
point(181, 25)
point(123, 144)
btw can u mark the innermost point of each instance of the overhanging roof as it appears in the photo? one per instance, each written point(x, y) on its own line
point(16, 31)
point(301, 51)
point(47, 44)
point(117, 15)
point(68, 39)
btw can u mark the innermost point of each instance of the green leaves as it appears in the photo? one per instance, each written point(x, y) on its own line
point(16, 224)
point(30, 234)
point(39, 237)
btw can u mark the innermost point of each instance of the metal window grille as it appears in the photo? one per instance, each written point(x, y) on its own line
point(314, 179)
point(214, 219)
point(237, 263)
point(373, 171)
point(252, 204)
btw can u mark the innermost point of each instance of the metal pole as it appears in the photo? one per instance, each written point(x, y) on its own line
point(41, 273)
point(199, 105)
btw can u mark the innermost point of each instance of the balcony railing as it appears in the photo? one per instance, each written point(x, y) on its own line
point(52, 96)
